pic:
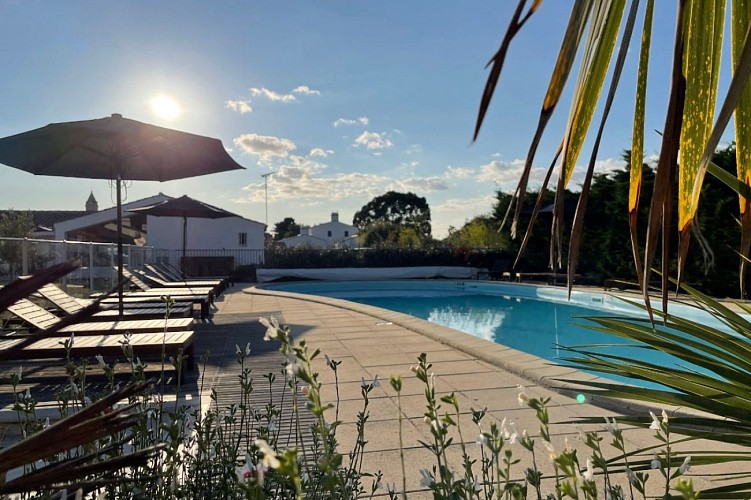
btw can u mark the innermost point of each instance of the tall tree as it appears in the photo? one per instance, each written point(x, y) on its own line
point(16, 224)
point(286, 229)
point(403, 209)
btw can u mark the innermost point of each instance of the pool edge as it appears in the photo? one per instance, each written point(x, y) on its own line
point(530, 367)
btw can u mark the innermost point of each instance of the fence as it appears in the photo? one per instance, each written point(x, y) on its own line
point(21, 256)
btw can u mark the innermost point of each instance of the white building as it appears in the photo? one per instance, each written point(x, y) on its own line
point(326, 235)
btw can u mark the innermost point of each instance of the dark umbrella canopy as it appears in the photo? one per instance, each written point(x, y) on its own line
point(106, 148)
point(118, 149)
point(184, 207)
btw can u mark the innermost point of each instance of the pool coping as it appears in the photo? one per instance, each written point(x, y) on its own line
point(533, 368)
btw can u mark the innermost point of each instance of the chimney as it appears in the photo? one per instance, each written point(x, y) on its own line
point(334, 216)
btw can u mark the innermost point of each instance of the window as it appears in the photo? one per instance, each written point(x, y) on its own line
point(329, 234)
point(243, 239)
point(346, 233)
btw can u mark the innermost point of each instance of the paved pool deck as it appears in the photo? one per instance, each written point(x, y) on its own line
point(372, 342)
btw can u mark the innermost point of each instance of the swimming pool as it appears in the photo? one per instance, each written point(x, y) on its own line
point(532, 319)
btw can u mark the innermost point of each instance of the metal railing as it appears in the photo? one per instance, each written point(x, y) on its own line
point(21, 256)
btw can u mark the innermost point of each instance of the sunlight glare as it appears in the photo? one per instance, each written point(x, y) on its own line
point(165, 107)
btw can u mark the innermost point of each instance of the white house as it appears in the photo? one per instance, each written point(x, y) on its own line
point(228, 233)
point(326, 235)
point(231, 235)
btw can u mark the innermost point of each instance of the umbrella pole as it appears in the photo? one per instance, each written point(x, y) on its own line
point(119, 247)
point(185, 243)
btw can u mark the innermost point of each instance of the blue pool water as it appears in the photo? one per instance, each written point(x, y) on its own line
point(532, 319)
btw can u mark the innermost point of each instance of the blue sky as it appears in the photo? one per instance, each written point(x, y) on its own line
point(345, 100)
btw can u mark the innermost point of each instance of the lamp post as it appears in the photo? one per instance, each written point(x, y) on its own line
point(266, 192)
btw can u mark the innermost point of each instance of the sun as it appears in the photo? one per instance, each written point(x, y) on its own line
point(165, 107)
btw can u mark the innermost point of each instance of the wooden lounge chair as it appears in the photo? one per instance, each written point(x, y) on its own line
point(40, 318)
point(175, 274)
point(171, 290)
point(154, 274)
point(70, 305)
point(109, 346)
point(151, 295)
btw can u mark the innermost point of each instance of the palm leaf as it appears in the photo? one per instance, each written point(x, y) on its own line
point(500, 58)
point(577, 22)
point(740, 20)
point(637, 140)
point(578, 224)
point(661, 208)
point(703, 30)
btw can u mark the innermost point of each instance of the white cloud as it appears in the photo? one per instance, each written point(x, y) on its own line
point(304, 89)
point(363, 120)
point(320, 152)
point(301, 180)
point(459, 172)
point(506, 174)
point(239, 105)
point(414, 149)
point(374, 140)
point(271, 95)
point(266, 147)
point(419, 184)
point(609, 165)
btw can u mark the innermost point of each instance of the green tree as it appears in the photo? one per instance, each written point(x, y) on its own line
point(286, 229)
point(14, 224)
point(480, 232)
point(402, 209)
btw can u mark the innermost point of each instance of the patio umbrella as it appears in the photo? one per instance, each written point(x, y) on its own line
point(118, 149)
point(184, 207)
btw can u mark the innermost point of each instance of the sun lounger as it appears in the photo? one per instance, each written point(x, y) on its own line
point(40, 318)
point(143, 299)
point(108, 346)
point(155, 275)
point(172, 290)
point(175, 274)
point(70, 305)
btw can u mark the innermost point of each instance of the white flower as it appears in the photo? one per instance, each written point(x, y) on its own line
point(272, 328)
point(305, 389)
point(46, 423)
point(590, 472)
point(550, 448)
point(664, 417)
point(293, 367)
point(432, 380)
point(269, 455)
point(655, 464)
point(20, 373)
point(509, 431)
point(391, 488)
point(482, 440)
point(426, 478)
point(523, 399)
point(374, 383)
point(686, 465)
point(632, 477)
point(611, 425)
point(239, 351)
point(413, 369)
point(655, 425)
